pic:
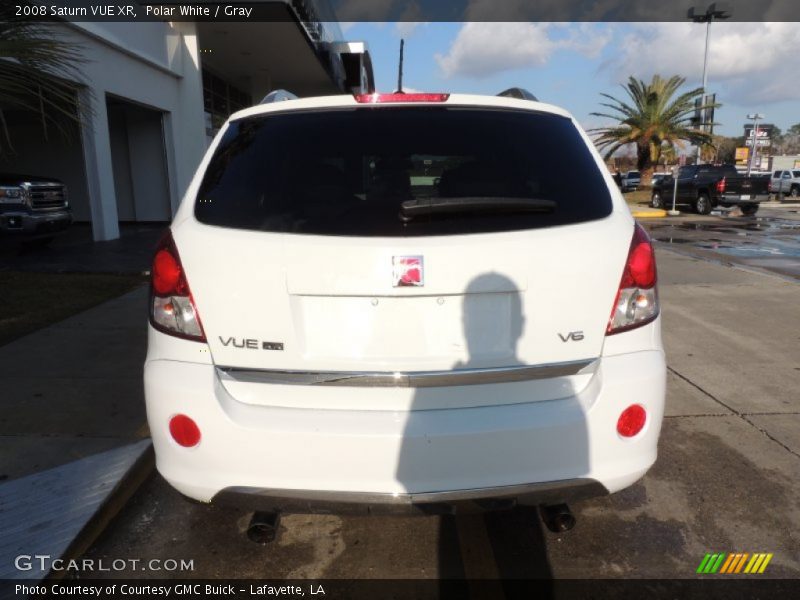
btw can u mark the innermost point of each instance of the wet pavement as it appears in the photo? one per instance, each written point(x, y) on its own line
point(769, 240)
point(727, 478)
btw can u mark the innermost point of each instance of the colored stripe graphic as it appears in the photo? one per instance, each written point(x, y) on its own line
point(741, 562)
point(723, 563)
point(718, 562)
point(703, 563)
point(752, 562)
point(764, 564)
point(732, 558)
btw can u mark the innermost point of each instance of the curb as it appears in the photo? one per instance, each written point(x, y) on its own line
point(648, 213)
point(58, 513)
point(126, 487)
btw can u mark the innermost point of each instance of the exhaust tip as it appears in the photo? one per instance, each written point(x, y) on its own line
point(558, 518)
point(263, 527)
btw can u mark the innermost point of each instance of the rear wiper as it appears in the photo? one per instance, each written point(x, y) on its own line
point(466, 204)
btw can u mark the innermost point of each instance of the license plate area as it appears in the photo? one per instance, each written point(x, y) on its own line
point(432, 329)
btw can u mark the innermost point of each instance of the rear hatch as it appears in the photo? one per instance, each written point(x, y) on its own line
point(395, 239)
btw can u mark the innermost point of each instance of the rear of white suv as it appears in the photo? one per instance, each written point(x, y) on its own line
point(395, 301)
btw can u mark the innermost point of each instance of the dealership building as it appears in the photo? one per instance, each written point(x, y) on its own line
point(160, 90)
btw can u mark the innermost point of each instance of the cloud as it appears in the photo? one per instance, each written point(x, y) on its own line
point(749, 62)
point(405, 29)
point(484, 49)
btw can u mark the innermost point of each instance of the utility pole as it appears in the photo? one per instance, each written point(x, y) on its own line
point(755, 117)
point(719, 11)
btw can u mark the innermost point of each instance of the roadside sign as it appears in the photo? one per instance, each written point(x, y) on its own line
point(764, 135)
point(742, 155)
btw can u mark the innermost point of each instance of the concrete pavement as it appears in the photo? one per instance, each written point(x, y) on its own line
point(73, 389)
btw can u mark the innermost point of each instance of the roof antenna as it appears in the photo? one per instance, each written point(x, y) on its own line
point(400, 70)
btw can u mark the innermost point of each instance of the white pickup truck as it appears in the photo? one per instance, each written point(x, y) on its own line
point(785, 182)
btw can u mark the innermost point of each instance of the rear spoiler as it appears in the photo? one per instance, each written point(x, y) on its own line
point(519, 93)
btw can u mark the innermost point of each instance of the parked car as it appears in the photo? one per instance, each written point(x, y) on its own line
point(706, 186)
point(786, 182)
point(326, 335)
point(33, 207)
point(631, 181)
point(658, 177)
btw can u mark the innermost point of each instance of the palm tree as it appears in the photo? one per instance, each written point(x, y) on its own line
point(39, 72)
point(652, 119)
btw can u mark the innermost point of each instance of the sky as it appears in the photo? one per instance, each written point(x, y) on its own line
point(752, 66)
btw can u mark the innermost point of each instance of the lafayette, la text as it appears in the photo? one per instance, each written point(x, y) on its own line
point(177, 589)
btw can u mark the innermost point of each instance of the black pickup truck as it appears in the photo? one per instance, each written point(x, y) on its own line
point(705, 187)
point(32, 207)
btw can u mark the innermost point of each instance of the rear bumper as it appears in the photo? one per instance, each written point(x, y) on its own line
point(31, 223)
point(430, 503)
point(312, 460)
point(747, 199)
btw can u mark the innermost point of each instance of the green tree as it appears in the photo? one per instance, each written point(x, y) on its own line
point(724, 148)
point(39, 72)
point(789, 142)
point(651, 118)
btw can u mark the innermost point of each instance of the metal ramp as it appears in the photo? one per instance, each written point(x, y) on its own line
point(59, 512)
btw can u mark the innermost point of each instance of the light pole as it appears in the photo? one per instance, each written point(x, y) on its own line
point(719, 11)
point(755, 117)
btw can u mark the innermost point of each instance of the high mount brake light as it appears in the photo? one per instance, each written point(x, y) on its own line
point(636, 303)
point(390, 98)
point(172, 308)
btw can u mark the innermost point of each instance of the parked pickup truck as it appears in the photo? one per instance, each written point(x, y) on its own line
point(32, 206)
point(705, 187)
point(631, 181)
point(786, 182)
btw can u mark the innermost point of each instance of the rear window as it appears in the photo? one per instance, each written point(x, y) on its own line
point(348, 172)
point(795, 173)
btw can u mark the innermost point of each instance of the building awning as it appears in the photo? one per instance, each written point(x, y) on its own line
point(281, 54)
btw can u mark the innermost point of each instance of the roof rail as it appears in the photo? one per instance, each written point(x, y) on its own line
point(520, 93)
point(278, 96)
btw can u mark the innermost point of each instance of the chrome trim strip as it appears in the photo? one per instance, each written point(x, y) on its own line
point(409, 379)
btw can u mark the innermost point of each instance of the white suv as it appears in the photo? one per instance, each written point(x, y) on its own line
point(392, 301)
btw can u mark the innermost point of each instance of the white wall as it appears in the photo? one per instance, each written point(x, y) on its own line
point(152, 64)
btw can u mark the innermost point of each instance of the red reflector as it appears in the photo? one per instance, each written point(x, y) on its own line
point(166, 272)
point(631, 420)
point(184, 431)
point(387, 98)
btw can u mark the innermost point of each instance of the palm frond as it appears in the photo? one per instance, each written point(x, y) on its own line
point(653, 116)
point(40, 72)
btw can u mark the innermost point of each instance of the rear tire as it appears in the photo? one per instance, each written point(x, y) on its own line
point(702, 205)
point(794, 192)
point(749, 209)
point(656, 201)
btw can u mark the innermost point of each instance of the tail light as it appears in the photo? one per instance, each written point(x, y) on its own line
point(721, 186)
point(636, 303)
point(172, 308)
point(399, 97)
